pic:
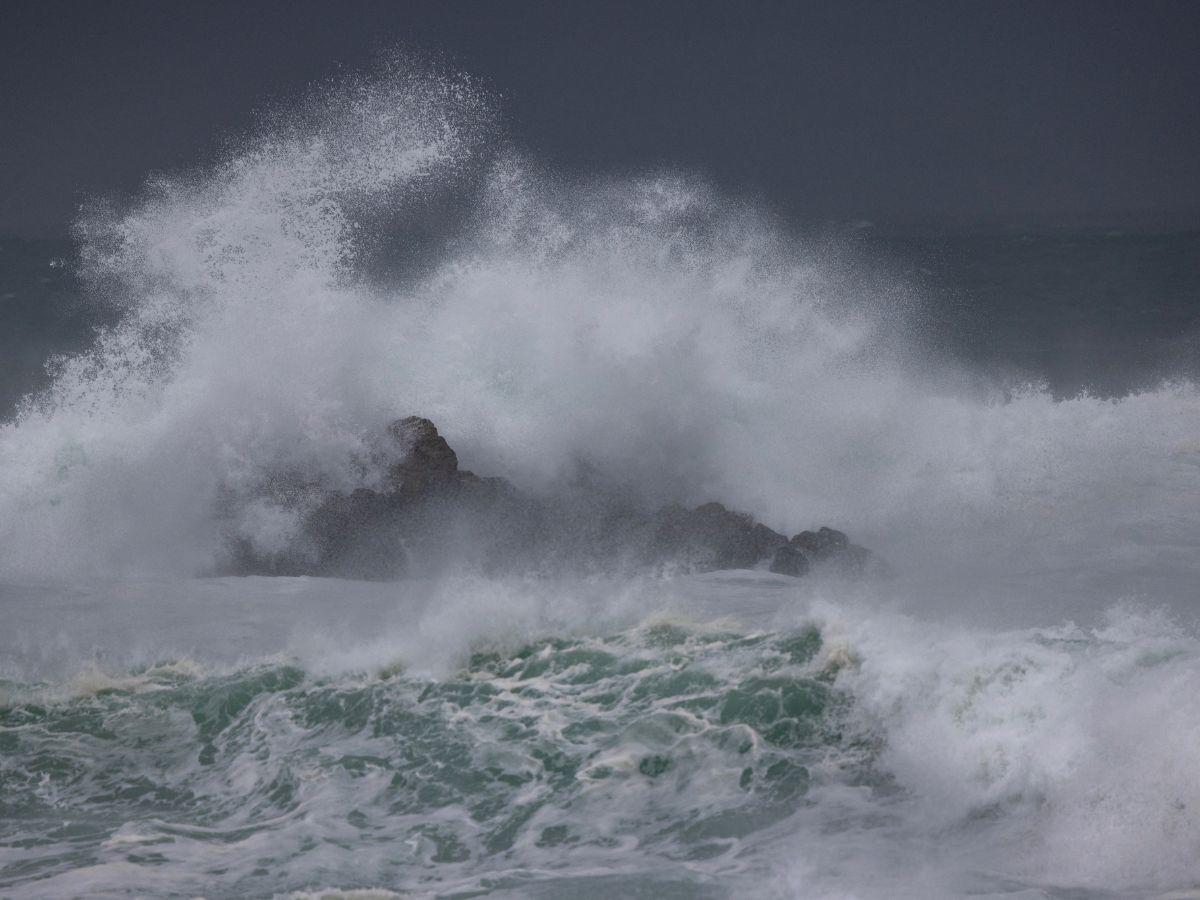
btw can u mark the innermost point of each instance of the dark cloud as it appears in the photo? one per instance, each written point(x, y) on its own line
point(845, 110)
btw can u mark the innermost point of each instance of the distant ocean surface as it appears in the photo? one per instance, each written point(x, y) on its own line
point(1008, 416)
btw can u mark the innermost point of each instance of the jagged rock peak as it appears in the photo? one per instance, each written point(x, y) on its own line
point(429, 462)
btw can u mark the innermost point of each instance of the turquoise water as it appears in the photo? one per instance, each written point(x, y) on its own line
point(798, 748)
point(672, 745)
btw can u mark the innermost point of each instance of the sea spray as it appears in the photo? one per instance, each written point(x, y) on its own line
point(677, 344)
point(517, 735)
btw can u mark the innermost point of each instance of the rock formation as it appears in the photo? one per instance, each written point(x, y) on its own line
point(826, 545)
point(430, 514)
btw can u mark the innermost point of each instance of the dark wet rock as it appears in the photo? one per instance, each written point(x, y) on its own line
point(430, 515)
point(429, 464)
point(358, 535)
point(823, 541)
point(825, 545)
point(790, 560)
point(712, 537)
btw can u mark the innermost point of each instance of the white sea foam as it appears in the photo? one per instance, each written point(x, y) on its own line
point(1059, 757)
point(675, 345)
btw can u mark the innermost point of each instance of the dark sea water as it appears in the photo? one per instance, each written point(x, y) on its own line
point(1099, 309)
point(1009, 416)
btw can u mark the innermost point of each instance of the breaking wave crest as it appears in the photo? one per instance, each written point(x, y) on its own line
point(379, 251)
point(831, 757)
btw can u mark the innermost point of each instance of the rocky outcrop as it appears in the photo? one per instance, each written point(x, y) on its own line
point(712, 537)
point(429, 464)
point(430, 515)
point(826, 545)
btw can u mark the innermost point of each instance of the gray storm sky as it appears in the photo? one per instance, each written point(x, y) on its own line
point(876, 110)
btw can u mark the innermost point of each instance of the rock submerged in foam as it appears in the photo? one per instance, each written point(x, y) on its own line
point(430, 515)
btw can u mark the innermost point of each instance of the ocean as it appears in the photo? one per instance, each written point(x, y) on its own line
point(1008, 415)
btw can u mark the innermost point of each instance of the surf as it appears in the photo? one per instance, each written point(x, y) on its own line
point(381, 248)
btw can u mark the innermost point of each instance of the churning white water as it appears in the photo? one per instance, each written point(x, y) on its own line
point(1015, 712)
